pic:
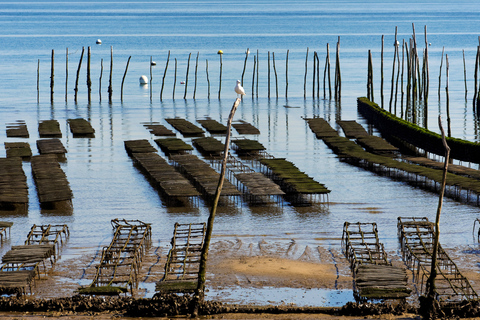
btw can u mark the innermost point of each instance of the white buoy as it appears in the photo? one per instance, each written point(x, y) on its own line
point(99, 41)
point(143, 80)
point(396, 43)
point(153, 63)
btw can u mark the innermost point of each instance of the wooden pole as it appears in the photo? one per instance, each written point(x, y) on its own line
point(66, 75)
point(329, 79)
point(305, 77)
point(318, 77)
point(175, 80)
point(110, 87)
point(381, 72)
point(100, 81)
point(186, 76)
point(440, 75)
point(211, 218)
point(426, 89)
point(398, 75)
point(258, 68)
point(52, 70)
point(268, 73)
point(78, 73)
point(401, 80)
point(208, 79)
point(196, 68)
point(432, 304)
point(286, 75)
point(409, 82)
point(324, 78)
point(338, 74)
point(245, 63)
point(475, 90)
point(38, 81)
point(151, 78)
point(448, 97)
point(275, 72)
point(253, 76)
point(220, 82)
point(393, 71)
point(123, 79)
point(368, 76)
point(465, 75)
point(164, 74)
point(89, 80)
point(314, 73)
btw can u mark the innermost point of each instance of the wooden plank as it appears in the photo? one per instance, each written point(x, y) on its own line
point(50, 146)
point(49, 129)
point(244, 127)
point(18, 149)
point(81, 128)
point(17, 129)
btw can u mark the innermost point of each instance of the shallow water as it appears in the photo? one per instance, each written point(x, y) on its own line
point(103, 179)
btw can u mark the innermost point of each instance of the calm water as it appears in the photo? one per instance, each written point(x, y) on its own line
point(105, 183)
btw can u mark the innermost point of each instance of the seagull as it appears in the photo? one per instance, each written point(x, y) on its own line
point(239, 89)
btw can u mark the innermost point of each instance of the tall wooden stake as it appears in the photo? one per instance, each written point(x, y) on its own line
point(208, 234)
point(186, 76)
point(275, 73)
point(286, 75)
point(175, 80)
point(123, 79)
point(196, 68)
point(433, 270)
point(100, 81)
point(268, 74)
point(305, 77)
point(89, 80)
point(78, 73)
point(245, 63)
point(220, 81)
point(164, 74)
point(66, 75)
point(208, 79)
point(52, 75)
point(110, 87)
point(381, 72)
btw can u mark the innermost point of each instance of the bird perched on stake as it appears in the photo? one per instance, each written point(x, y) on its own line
point(239, 89)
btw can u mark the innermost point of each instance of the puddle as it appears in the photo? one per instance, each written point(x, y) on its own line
point(282, 296)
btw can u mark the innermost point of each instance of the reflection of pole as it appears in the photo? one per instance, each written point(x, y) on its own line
point(433, 271)
point(211, 218)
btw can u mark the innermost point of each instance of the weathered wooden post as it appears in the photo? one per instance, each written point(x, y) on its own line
point(258, 67)
point(465, 74)
point(123, 79)
point(286, 75)
point(268, 73)
point(164, 74)
point(314, 69)
point(381, 72)
point(208, 79)
point(329, 78)
point(401, 80)
point(66, 75)
point(393, 71)
point(432, 307)
point(52, 75)
point(186, 76)
point(151, 78)
point(448, 97)
point(208, 234)
point(440, 74)
point(338, 74)
point(174, 79)
point(318, 76)
point(475, 90)
point(305, 77)
point(398, 75)
point(253, 76)
point(110, 87)
point(78, 73)
point(89, 80)
point(220, 52)
point(196, 69)
point(100, 81)
point(275, 72)
point(38, 80)
point(245, 63)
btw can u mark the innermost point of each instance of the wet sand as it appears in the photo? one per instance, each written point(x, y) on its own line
point(239, 264)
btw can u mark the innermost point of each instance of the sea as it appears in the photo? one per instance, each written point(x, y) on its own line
point(251, 36)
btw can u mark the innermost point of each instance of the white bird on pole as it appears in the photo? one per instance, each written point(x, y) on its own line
point(239, 89)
